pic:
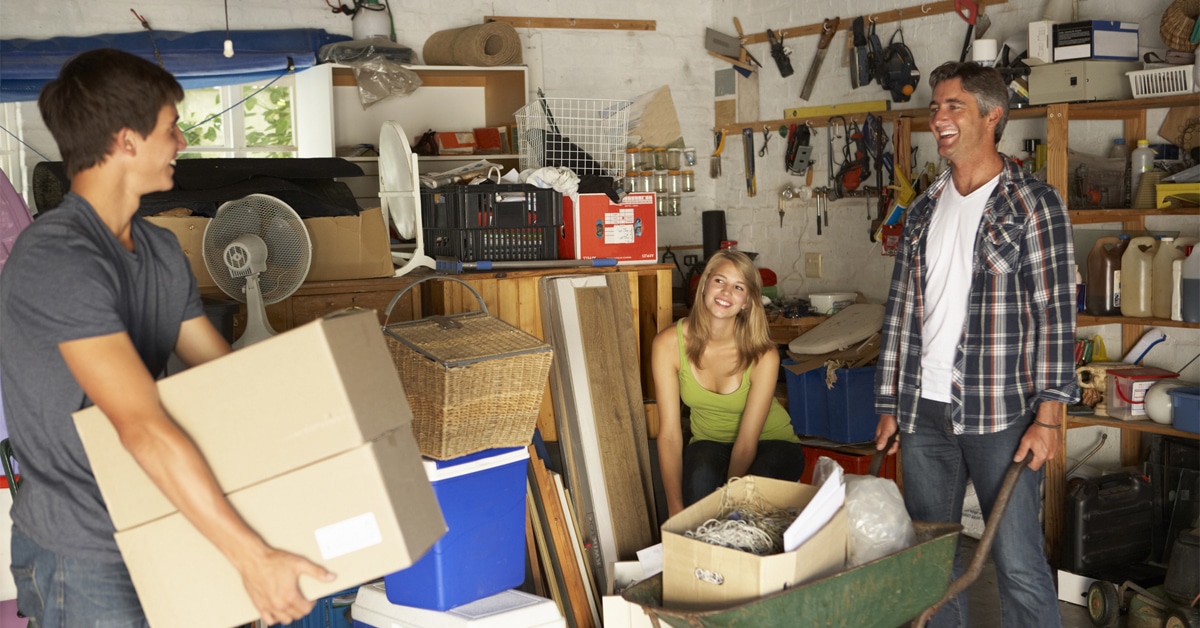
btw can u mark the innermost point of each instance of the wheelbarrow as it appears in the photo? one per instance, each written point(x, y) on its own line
point(910, 585)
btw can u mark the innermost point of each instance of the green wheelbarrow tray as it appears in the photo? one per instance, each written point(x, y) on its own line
point(884, 593)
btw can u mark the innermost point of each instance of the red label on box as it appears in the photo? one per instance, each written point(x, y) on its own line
point(599, 228)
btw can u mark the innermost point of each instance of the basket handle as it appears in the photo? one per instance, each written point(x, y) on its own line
point(387, 314)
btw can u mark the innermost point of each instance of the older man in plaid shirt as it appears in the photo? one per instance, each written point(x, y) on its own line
point(976, 361)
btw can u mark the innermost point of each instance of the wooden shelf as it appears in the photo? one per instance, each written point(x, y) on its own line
point(1142, 425)
point(1085, 320)
point(1096, 216)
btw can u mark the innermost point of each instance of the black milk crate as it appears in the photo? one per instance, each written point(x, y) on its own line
point(491, 222)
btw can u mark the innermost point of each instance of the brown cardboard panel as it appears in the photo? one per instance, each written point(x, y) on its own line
point(190, 232)
point(362, 514)
point(349, 247)
point(343, 247)
point(309, 393)
point(697, 575)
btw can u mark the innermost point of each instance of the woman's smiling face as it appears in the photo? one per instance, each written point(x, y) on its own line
point(726, 293)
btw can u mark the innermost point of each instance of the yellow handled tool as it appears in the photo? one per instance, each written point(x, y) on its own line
point(714, 165)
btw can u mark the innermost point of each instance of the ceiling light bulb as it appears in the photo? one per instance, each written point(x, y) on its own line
point(228, 48)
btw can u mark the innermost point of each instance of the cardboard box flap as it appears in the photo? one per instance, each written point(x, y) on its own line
point(362, 514)
point(349, 247)
point(302, 396)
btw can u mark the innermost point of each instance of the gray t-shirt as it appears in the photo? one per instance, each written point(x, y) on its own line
point(69, 278)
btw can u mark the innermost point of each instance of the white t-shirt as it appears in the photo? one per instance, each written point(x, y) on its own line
point(949, 255)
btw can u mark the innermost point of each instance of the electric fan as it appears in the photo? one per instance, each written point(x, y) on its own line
point(400, 195)
point(257, 250)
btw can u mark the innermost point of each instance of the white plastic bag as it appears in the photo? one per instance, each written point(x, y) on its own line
point(879, 523)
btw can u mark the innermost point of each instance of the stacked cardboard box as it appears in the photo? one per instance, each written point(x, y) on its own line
point(309, 435)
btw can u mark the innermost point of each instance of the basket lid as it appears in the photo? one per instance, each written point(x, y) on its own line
point(463, 339)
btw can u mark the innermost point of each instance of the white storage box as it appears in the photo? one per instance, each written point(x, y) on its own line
point(1177, 79)
point(509, 609)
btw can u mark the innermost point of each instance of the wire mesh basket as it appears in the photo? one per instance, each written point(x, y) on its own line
point(588, 136)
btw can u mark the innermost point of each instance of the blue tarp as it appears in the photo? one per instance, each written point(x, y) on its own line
point(195, 59)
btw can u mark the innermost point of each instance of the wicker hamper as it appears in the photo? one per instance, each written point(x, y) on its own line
point(474, 382)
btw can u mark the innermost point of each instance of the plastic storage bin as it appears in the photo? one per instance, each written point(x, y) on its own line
point(1186, 407)
point(508, 609)
point(486, 222)
point(1162, 81)
point(482, 497)
point(843, 414)
point(328, 612)
point(1125, 390)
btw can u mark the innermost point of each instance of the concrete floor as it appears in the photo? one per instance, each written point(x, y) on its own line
point(984, 600)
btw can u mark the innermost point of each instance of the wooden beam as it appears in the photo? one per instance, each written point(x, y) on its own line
point(895, 15)
point(574, 22)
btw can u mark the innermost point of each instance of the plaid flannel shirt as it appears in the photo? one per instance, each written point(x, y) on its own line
point(1017, 348)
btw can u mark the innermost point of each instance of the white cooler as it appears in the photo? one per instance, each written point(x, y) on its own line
point(508, 609)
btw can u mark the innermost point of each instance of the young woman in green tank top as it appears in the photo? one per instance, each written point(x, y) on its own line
point(720, 362)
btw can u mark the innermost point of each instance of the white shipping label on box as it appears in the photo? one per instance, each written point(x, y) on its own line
point(348, 535)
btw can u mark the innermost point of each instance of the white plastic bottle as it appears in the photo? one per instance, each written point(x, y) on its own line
point(372, 20)
point(1141, 160)
point(1164, 284)
point(1189, 288)
point(1137, 269)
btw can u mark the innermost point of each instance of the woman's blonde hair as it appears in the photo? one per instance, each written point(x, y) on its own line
point(750, 327)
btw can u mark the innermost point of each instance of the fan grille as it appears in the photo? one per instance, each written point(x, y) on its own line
point(288, 245)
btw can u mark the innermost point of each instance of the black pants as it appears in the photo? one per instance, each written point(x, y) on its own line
point(706, 465)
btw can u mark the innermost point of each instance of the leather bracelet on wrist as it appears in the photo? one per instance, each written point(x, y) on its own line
point(1047, 425)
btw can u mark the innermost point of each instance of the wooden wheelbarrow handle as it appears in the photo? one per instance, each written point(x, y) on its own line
point(985, 544)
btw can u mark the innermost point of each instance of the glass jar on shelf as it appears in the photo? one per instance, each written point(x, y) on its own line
point(674, 205)
point(674, 158)
point(646, 181)
point(660, 205)
point(660, 158)
point(646, 158)
point(674, 182)
point(687, 180)
point(631, 159)
point(631, 181)
point(660, 182)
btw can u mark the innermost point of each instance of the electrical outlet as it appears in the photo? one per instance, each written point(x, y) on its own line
point(812, 265)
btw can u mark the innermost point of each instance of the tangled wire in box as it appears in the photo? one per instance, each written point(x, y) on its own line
point(588, 136)
point(753, 525)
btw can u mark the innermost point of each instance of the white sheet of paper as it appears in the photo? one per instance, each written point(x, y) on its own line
point(817, 513)
point(651, 559)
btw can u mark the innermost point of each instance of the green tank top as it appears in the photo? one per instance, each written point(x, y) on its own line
point(715, 416)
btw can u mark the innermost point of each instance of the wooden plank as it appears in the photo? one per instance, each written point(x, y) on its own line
point(560, 544)
point(528, 317)
point(611, 412)
point(574, 22)
point(627, 352)
point(582, 426)
point(531, 549)
point(927, 9)
point(541, 533)
point(576, 547)
point(1057, 133)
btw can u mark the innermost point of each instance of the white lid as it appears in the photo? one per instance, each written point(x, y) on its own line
point(440, 470)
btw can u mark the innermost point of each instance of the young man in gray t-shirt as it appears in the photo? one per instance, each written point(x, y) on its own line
point(93, 300)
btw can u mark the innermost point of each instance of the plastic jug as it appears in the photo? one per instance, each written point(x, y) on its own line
point(1141, 160)
point(1189, 288)
point(1104, 276)
point(1163, 284)
point(1137, 270)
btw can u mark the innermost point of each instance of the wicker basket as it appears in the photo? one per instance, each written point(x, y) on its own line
point(473, 381)
point(1177, 23)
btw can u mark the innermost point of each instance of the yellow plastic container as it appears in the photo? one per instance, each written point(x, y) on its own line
point(1177, 195)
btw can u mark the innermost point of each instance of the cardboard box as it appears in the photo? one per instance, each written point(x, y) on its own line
point(343, 247)
point(189, 230)
point(1041, 43)
point(1096, 39)
point(312, 392)
point(697, 575)
point(361, 514)
point(349, 247)
point(599, 228)
point(455, 143)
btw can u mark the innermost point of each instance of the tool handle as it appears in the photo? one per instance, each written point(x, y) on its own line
point(828, 30)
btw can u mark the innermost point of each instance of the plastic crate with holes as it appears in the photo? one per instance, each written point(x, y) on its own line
point(491, 222)
point(586, 135)
point(1168, 81)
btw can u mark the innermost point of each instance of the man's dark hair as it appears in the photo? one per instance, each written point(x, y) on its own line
point(985, 84)
point(98, 93)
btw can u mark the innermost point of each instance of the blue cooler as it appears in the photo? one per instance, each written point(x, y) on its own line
point(482, 497)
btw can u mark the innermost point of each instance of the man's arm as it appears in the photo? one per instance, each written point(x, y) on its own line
point(112, 374)
point(1048, 271)
point(199, 341)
